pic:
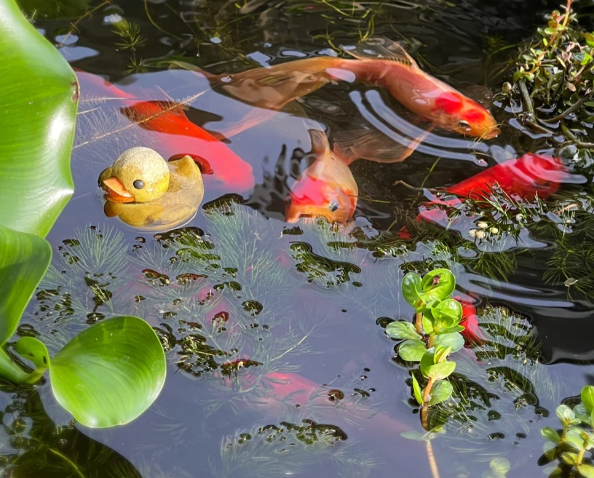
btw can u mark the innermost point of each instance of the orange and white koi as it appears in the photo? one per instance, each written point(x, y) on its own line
point(327, 188)
point(378, 61)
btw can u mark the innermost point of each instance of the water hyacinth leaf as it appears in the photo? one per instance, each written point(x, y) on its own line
point(586, 471)
point(37, 127)
point(439, 371)
point(412, 350)
point(417, 390)
point(402, 330)
point(24, 259)
point(411, 284)
point(551, 435)
point(455, 341)
point(438, 284)
point(447, 313)
point(588, 398)
point(36, 352)
point(110, 373)
point(440, 392)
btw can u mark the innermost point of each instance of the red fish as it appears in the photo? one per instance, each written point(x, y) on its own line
point(525, 178)
point(327, 188)
point(472, 332)
point(378, 61)
point(178, 136)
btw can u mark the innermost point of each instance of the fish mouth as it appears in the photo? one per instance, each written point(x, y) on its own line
point(116, 191)
point(492, 133)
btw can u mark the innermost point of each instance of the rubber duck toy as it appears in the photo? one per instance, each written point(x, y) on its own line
point(148, 193)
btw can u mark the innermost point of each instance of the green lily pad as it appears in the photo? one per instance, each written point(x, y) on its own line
point(110, 373)
point(37, 127)
point(24, 258)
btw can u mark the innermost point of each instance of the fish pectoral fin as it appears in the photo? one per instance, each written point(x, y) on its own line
point(373, 146)
point(380, 48)
point(320, 146)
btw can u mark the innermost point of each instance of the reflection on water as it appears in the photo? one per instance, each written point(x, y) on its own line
point(277, 362)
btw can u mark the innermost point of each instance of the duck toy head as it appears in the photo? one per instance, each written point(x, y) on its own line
point(148, 193)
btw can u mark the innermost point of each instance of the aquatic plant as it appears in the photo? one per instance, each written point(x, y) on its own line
point(119, 361)
point(553, 77)
point(569, 445)
point(435, 334)
point(289, 448)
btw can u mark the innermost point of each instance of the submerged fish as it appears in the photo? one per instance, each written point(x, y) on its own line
point(378, 61)
point(326, 188)
point(472, 332)
point(528, 177)
point(178, 135)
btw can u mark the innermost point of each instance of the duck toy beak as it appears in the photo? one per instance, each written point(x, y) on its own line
point(116, 191)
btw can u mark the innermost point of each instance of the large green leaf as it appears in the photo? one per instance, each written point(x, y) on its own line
point(24, 258)
point(110, 373)
point(38, 101)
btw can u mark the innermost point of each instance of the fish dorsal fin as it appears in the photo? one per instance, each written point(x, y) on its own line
point(320, 146)
point(380, 48)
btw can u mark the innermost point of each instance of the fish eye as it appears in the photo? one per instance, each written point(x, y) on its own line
point(463, 124)
point(138, 184)
point(333, 206)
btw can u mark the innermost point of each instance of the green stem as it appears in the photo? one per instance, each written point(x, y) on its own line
point(11, 371)
point(526, 98)
point(67, 460)
point(431, 341)
point(419, 323)
point(580, 457)
point(564, 434)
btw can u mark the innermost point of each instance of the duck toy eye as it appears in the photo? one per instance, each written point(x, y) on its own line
point(138, 184)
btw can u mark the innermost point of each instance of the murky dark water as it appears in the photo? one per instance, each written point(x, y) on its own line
point(299, 308)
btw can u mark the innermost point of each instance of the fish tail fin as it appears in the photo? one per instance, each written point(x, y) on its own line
point(380, 48)
point(373, 146)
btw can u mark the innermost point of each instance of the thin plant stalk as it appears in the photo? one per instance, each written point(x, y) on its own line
point(432, 461)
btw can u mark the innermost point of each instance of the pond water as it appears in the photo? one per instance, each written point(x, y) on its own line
point(278, 360)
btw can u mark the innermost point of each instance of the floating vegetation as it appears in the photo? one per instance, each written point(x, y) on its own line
point(289, 448)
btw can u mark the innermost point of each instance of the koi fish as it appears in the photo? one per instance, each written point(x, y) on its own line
point(472, 332)
point(326, 188)
point(178, 136)
point(524, 178)
point(378, 61)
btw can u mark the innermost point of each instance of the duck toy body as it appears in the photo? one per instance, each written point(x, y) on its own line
point(148, 193)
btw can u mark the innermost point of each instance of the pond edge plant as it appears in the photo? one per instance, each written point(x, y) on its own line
point(114, 370)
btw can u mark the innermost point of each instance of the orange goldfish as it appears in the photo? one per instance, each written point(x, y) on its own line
point(327, 188)
point(178, 136)
point(378, 61)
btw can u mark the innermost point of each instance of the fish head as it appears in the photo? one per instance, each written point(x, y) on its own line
point(314, 197)
point(456, 112)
